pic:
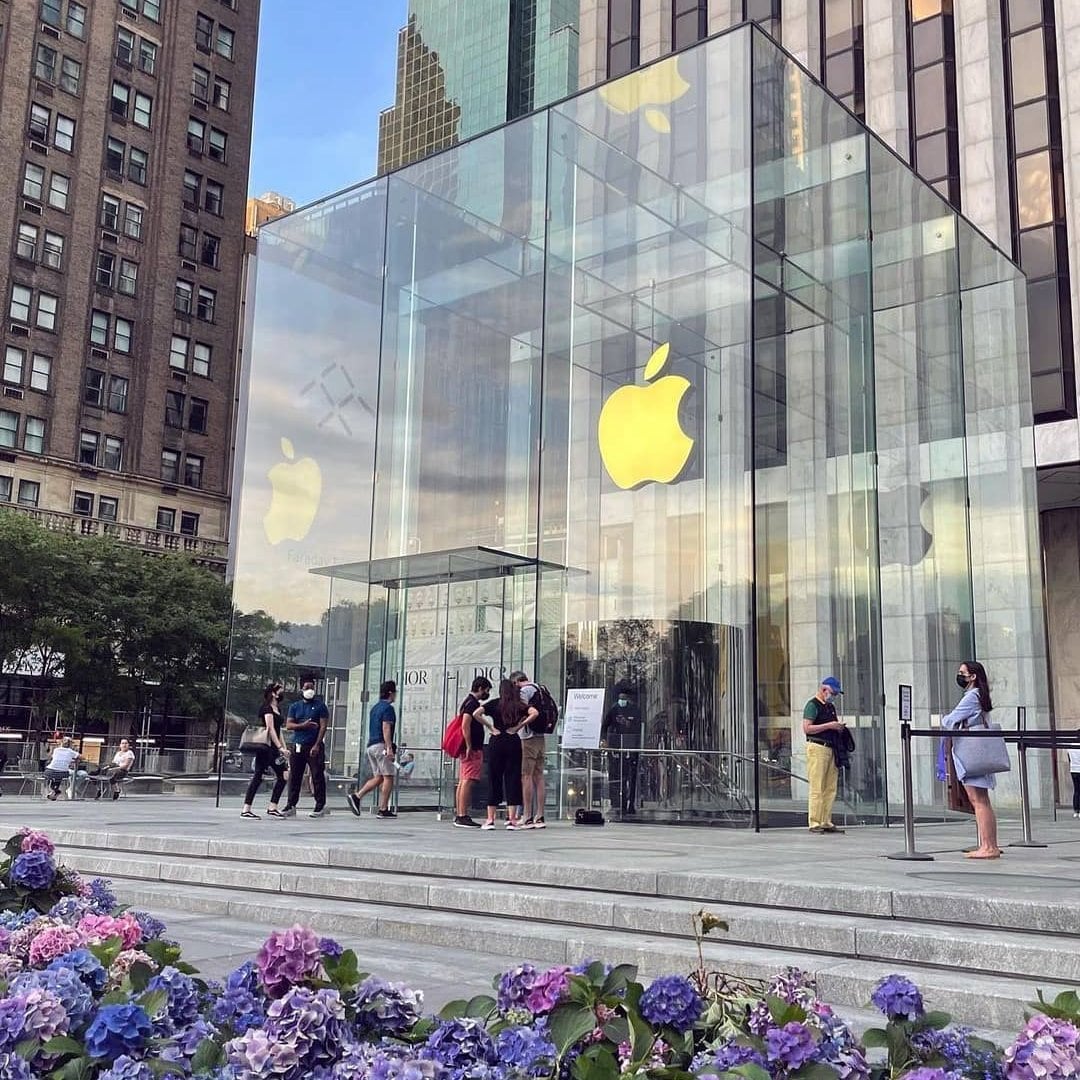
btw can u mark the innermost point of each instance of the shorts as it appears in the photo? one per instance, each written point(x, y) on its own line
point(471, 766)
point(380, 764)
point(532, 757)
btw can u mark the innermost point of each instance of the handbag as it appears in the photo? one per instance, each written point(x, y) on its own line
point(981, 757)
point(453, 740)
point(255, 737)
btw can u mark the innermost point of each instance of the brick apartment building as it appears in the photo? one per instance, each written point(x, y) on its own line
point(125, 130)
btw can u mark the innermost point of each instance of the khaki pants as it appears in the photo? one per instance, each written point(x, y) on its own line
point(822, 773)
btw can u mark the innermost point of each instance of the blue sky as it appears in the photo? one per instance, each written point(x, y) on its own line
point(322, 79)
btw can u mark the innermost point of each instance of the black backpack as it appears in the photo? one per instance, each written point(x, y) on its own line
point(545, 705)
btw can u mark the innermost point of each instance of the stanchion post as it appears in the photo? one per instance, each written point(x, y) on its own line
point(909, 854)
point(1025, 797)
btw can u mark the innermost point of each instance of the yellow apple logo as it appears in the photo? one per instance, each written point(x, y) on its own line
point(657, 84)
point(296, 488)
point(639, 433)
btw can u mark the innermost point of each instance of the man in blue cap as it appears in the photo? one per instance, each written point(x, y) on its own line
point(820, 726)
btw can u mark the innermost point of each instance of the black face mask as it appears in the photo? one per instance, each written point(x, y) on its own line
point(961, 681)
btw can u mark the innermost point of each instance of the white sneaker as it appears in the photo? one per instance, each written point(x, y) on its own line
point(320, 813)
point(488, 825)
point(539, 823)
point(1076, 815)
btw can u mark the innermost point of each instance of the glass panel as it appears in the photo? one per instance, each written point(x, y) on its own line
point(1042, 299)
point(1028, 66)
point(930, 99)
point(927, 42)
point(925, 9)
point(1031, 127)
point(932, 156)
point(1034, 194)
point(1023, 13)
point(1038, 254)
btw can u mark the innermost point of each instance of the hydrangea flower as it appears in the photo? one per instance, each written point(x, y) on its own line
point(384, 1008)
point(1046, 1048)
point(72, 993)
point(151, 927)
point(287, 958)
point(33, 840)
point(953, 1046)
point(926, 1073)
point(86, 965)
point(14, 1067)
point(514, 986)
point(671, 1001)
point(186, 1041)
point(45, 1016)
point(33, 870)
point(790, 1046)
point(102, 927)
point(460, 1043)
point(70, 909)
point(329, 947)
point(20, 940)
point(898, 998)
point(52, 942)
point(99, 892)
point(117, 1030)
point(236, 1008)
point(547, 989)
point(182, 1003)
point(728, 1055)
point(12, 1020)
point(128, 1068)
point(526, 1049)
point(119, 968)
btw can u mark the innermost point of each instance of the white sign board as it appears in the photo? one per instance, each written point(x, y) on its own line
point(582, 717)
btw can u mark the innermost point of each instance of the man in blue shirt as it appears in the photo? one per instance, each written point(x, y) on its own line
point(380, 753)
point(307, 721)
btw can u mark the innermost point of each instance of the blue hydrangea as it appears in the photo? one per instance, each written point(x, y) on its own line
point(152, 928)
point(790, 1046)
point(186, 1041)
point(16, 920)
point(329, 947)
point(898, 998)
point(65, 984)
point(245, 976)
point(12, 1020)
point(117, 1030)
point(671, 1001)
point(102, 896)
point(237, 1008)
point(14, 1067)
point(526, 1049)
point(384, 1008)
point(86, 965)
point(182, 1004)
point(70, 909)
point(729, 1055)
point(33, 870)
point(953, 1046)
point(461, 1044)
point(128, 1068)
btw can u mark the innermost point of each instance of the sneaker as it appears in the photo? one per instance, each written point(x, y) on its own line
point(831, 829)
point(526, 824)
point(52, 796)
point(116, 793)
point(539, 823)
point(249, 814)
point(386, 814)
point(289, 811)
point(355, 805)
point(466, 823)
point(488, 825)
point(320, 813)
point(513, 826)
point(273, 811)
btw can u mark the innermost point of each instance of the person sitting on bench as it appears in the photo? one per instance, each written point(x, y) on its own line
point(62, 761)
point(122, 761)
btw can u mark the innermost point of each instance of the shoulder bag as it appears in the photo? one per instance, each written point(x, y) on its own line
point(981, 757)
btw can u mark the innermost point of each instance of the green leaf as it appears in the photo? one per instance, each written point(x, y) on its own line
point(453, 1010)
point(153, 1001)
point(107, 951)
point(618, 978)
point(75, 1069)
point(750, 1071)
point(874, 1038)
point(617, 1030)
point(595, 973)
point(164, 1068)
point(208, 1055)
point(139, 976)
point(815, 1071)
point(344, 970)
point(641, 1037)
point(596, 1063)
point(581, 991)
point(481, 1006)
point(61, 1044)
point(29, 1048)
point(936, 1021)
point(568, 1023)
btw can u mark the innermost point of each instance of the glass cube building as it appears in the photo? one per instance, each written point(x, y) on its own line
point(685, 385)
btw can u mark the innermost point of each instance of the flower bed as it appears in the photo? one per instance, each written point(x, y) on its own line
point(89, 991)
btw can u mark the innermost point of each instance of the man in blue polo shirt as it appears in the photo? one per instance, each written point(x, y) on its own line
point(307, 721)
point(380, 752)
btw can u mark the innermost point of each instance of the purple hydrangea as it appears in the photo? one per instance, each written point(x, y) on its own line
point(369, 1061)
point(32, 840)
point(85, 964)
point(64, 983)
point(14, 1067)
point(182, 1003)
point(287, 958)
point(117, 1030)
point(1047, 1047)
point(45, 1016)
point(898, 998)
point(70, 909)
point(384, 1008)
point(514, 986)
point(16, 920)
point(461, 1044)
point(790, 1046)
point(547, 989)
point(12, 1020)
point(152, 928)
point(329, 947)
point(953, 1046)
point(33, 870)
point(127, 1068)
point(926, 1073)
point(237, 1008)
point(100, 894)
point(186, 1041)
point(729, 1055)
point(671, 1001)
point(244, 976)
point(526, 1049)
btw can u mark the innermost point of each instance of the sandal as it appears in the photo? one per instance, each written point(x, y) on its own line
point(249, 814)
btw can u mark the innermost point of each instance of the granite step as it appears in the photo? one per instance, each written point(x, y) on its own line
point(986, 1001)
point(976, 949)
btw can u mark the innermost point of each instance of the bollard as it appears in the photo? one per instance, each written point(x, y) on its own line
point(909, 854)
point(1025, 798)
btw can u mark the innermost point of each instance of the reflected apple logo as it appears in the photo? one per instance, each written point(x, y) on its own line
point(657, 85)
point(639, 434)
point(907, 543)
point(295, 494)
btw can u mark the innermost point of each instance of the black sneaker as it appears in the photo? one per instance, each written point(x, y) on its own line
point(386, 814)
point(355, 805)
point(466, 823)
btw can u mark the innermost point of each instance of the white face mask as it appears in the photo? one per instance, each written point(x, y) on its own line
point(309, 694)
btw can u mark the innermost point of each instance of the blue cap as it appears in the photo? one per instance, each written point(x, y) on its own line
point(833, 683)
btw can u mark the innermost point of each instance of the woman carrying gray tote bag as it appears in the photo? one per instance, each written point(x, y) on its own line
point(971, 712)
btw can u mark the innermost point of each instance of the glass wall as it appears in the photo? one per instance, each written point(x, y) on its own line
point(668, 390)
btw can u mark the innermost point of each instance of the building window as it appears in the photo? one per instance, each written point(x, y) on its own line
point(52, 251)
point(110, 212)
point(200, 360)
point(14, 359)
point(105, 269)
point(170, 466)
point(58, 191)
point(198, 415)
point(128, 278)
point(138, 164)
point(225, 42)
point(26, 241)
point(40, 372)
point(217, 149)
point(93, 394)
point(842, 52)
point(204, 32)
point(200, 83)
point(34, 435)
point(29, 492)
point(88, 447)
point(166, 519)
point(83, 504)
point(142, 110)
point(33, 181)
point(47, 307)
point(765, 13)
point(214, 198)
point(147, 56)
point(52, 12)
point(624, 36)
point(45, 63)
point(192, 183)
point(21, 299)
point(211, 250)
point(118, 394)
point(183, 296)
point(1037, 183)
point(174, 409)
point(70, 75)
point(189, 242)
point(689, 22)
point(193, 471)
point(196, 135)
point(5, 489)
point(189, 523)
point(107, 508)
point(113, 453)
point(9, 428)
point(133, 220)
point(76, 19)
point(207, 302)
point(125, 47)
point(935, 144)
point(222, 91)
point(119, 100)
point(115, 152)
point(64, 134)
point(150, 8)
point(40, 122)
point(99, 328)
point(178, 352)
point(125, 330)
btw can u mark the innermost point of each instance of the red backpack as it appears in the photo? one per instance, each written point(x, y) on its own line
point(453, 740)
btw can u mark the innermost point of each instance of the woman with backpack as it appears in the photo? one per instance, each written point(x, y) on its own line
point(508, 716)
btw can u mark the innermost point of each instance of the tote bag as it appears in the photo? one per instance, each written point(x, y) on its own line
point(981, 757)
point(255, 737)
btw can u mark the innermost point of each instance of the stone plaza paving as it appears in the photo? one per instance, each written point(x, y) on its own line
point(444, 908)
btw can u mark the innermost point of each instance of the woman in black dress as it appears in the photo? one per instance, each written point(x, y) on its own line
point(507, 714)
point(272, 756)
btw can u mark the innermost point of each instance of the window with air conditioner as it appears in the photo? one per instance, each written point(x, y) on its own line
point(59, 186)
point(33, 181)
point(14, 361)
point(47, 307)
point(19, 307)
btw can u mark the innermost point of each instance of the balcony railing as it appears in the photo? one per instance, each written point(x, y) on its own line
point(211, 553)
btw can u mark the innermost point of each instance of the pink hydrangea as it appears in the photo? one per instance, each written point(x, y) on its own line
point(287, 958)
point(9, 965)
point(53, 942)
point(123, 963)
point(101, 927)
point(32, 840)
point(19, 945)
point(547, 988)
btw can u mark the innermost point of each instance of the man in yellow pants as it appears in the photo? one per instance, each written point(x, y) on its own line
point(820, 725)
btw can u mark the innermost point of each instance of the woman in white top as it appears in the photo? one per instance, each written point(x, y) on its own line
point(1074, 768)
point(121, 765)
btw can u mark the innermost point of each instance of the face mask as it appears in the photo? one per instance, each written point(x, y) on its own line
point(961, 681)
point(624, 701)
point(309, 694)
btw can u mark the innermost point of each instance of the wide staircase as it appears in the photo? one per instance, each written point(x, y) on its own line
point(979, 957)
